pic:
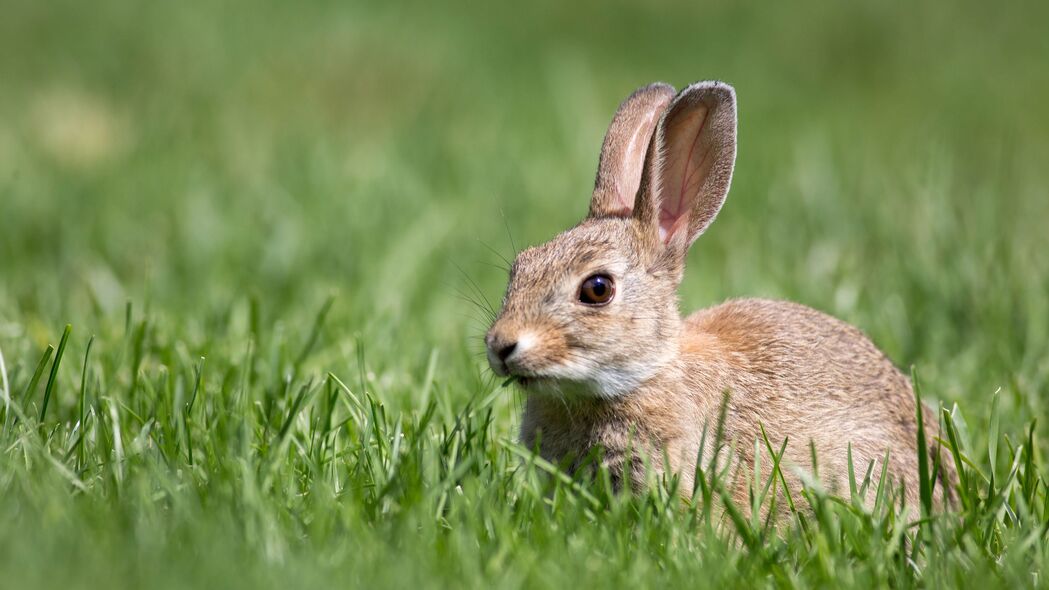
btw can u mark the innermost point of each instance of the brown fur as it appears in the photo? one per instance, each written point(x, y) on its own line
point(635, 380)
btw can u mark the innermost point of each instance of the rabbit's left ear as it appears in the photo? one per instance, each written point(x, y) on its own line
point(689, 167)
point(624, 149)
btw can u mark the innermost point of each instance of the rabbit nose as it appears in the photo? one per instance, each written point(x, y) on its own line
point(500, 349)
point(505, 351)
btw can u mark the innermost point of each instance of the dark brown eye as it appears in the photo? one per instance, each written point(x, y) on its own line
point(597, 290)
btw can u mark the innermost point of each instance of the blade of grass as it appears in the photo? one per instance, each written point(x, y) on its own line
point(992, 442)
point(35, 380)
point(52, 379)
point(189, 409)
point(956, 453)
point(777, 458)
point(924, 481)
point(80, 407)
point(7, 390)
point(1029, 483)
point(315, 332)
point(853, 492)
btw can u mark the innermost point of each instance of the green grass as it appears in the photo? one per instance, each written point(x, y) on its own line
point(273, 230)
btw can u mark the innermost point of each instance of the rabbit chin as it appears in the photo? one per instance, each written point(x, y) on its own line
point(605, 382)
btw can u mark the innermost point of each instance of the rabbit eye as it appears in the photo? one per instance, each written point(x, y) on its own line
point(597, 290)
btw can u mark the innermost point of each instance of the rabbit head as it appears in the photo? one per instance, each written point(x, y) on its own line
point(594, 311)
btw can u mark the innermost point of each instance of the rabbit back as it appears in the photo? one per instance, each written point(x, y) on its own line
point(807, 377)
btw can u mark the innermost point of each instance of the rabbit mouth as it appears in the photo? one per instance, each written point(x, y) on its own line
point(542, 385)
point(534, 382)
point(525, 381)
point(555, 386)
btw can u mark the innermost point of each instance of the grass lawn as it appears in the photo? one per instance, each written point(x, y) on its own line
point(276, 231)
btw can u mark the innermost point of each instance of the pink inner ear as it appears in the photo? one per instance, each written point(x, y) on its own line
point(670, 226)
point(684, 177)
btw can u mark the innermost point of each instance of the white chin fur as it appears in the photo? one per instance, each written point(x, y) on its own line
point(604, 382)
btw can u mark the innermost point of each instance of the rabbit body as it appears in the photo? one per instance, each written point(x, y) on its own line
point(803, 376)
point(591, 328)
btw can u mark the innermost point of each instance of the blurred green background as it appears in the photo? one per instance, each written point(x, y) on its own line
point(891, 168)
point(193, 157)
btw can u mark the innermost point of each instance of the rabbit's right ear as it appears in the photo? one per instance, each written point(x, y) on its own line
point(690, 165)
point(623, 152)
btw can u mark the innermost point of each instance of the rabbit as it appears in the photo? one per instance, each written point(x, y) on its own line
point(591, 331)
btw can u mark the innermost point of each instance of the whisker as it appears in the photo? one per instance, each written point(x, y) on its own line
point(508, 262)
point(477, 289)
point(509, 233)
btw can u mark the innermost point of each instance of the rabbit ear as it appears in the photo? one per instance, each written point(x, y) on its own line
point(690, 162)
point(624, 149)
